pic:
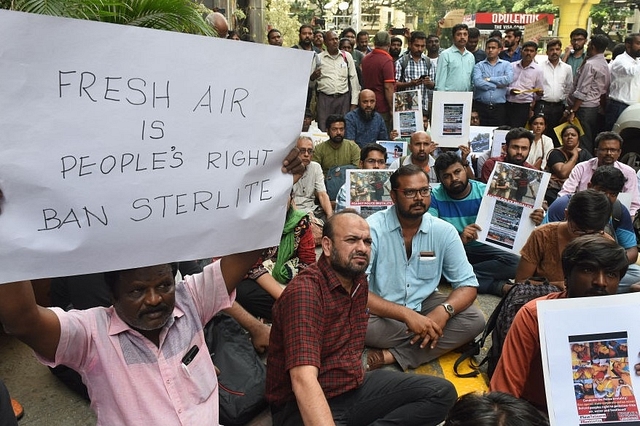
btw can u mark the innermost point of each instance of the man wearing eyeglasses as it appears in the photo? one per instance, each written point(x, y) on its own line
point(608, 149)
point(311, 184)
point(410, 253)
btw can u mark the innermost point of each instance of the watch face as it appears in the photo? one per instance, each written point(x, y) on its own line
point(448, 308)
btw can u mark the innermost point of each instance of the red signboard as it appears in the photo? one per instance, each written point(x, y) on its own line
point(502, 21)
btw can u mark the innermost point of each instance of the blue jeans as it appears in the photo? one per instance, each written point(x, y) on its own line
point(385, 398)
point(492, 267)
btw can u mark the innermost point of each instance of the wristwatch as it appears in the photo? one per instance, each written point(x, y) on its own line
point(450, 310)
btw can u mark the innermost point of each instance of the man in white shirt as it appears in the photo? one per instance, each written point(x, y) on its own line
point(625, 80)
point(557, 82)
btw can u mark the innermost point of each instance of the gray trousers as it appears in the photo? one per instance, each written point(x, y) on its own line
point(390, 334)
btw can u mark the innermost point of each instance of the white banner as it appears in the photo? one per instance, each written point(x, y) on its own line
point(125, 147)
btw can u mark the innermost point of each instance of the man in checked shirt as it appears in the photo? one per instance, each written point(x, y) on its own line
point(314, 369)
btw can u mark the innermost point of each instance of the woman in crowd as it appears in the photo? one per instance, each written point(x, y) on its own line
point(542, 144)
point(561, 161)
point(277, 265)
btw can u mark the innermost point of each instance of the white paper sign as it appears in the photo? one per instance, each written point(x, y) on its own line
point(451, 118)
point(590, 346)
point(125, 147)
point(407, 113)
point(512, 194)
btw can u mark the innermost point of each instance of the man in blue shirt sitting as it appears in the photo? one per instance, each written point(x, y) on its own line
point(410, 252)
point(364, 125)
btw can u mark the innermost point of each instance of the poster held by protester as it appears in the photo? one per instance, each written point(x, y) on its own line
point(125, 147)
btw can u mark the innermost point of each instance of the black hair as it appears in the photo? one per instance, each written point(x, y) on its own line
point(516, 32)
point(536, 116)
point(112, 278)
point(494, 40)
point(334, 118)
point(599, 42)
point(579, 32)
point(408, 170)
point(618, 49)
point(493, 409)
point(596, 251)
point(608, 178)
point(608, 136)
point(496, 34)
point(364, 152)
point(347, 30)
point(570, 126)
point(446, 160)
point(474, 32)
point(430, 36)
point(630, 37)
point(396, 39)
point(361, 33)
point(303, 26)
point(458, 27)
point(271, 31)
point(530, 44)
point(518, 133)
point(554, 42)
point(417, 35)
point(589, 210)
point(327, 229)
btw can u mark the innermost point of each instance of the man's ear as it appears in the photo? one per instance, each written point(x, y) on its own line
point(327, 245)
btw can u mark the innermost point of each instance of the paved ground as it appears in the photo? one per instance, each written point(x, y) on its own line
point(47, 402)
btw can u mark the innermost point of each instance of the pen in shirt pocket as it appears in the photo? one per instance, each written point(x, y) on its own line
point(190, 355)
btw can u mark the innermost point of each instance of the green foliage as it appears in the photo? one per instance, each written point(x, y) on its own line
point(278, 16)
point(171, 15)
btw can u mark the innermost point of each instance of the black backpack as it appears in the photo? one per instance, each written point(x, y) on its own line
point(499, 324)
point(242, 376)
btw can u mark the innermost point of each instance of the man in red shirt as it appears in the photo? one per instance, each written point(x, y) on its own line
point(379, 75)
point(314, 368)
point(518, 143)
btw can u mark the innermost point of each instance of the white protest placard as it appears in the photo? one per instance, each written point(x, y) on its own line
point(407, 113)
point(395, 149)
point(451, 118)
point(589, 347)
point(125, 147)
point(480, 138)
point(512, 194)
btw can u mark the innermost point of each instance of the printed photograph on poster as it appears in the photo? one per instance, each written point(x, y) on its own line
point(590, 367)
point(395, 150)
point(451, 118)
point(407, 114)
point(480, 138)
point(512, 193)
point(368, 190)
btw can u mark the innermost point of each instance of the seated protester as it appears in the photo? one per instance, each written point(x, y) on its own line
point(314, 366)
point(91, 290)
point(592, 265)
point(337, 151)
point(410, 253)
point(365, 125)
point(609, 181)
point(421, 147)
point(493, 409)
point(517, 145)
point(311, 186)
point(609, 148)
point(277, 265)
point(588, 212)
point(457, 201)
point(562, 160)
point(372, 156)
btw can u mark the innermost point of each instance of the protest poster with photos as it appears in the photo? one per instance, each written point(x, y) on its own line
point(480, 138)
point(512, 193)
point(499, 139)
point(407, 114)
point(451, 118)
point(395, 149)
point(590, 366)
point(369, 190)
